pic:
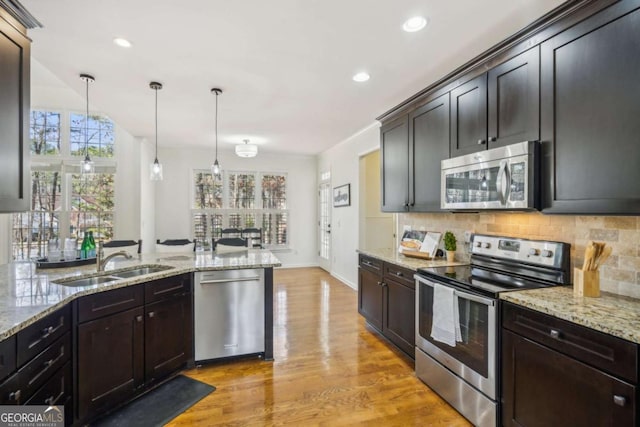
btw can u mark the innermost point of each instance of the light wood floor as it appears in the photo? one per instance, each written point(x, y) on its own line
point(329, 369)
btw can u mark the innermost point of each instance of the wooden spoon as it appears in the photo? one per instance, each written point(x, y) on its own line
point(588, 256)
point(606, 252)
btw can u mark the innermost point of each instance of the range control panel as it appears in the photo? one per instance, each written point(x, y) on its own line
point(541, 252)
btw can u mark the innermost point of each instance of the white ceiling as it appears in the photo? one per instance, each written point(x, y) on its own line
point(285, 66)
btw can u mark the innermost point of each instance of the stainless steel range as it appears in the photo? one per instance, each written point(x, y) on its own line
point(457, 317)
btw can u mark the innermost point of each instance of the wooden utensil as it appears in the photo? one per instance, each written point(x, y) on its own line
point(606, 252)
point(588, 256)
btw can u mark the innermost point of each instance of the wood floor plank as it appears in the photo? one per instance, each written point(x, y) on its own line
point(329, 369)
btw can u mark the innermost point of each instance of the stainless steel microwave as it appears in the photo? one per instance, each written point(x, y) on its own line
point(500, 178)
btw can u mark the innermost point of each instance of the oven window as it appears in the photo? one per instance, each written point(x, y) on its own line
point(473, 351)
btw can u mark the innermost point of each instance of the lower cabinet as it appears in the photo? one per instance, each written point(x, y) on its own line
point(129, 339)
point(386, 298)
point(555, 373)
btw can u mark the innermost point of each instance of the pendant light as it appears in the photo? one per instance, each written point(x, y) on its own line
point(215, 168)
point(246, 149)
point(155, 172)
point(87, 163)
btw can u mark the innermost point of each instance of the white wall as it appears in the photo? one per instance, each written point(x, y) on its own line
point(343, 160)
point(147, 202)
point(173, 195)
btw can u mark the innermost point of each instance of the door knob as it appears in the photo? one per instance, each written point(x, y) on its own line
point(480, 141)
point(492, 139)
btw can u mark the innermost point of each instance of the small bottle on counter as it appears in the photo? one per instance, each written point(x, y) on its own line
point(92, 246)
point(84, 247)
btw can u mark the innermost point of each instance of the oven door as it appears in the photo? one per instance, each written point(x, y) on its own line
point(474, 358)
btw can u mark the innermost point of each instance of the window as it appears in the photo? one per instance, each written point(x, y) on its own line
point(241, 200)
point(65, 204)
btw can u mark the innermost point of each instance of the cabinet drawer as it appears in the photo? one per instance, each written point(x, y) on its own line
point(7, 356)
point(38, 336)
point(374, 265)
point(35, 373)
point(613, 355)
point(57, 391)
point(399, 274)
point(109, 302)
point(167, 288)
point(10, 393)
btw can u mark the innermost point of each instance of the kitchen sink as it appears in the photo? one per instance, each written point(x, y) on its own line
point(88, 281)
point(140, 271)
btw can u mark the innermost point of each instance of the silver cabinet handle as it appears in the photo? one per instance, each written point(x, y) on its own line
point(480, 141)
point(619, 400)
point(492, 139)
point(151, 314)
point(138, 318)
point(399, 274)
point(555, 334)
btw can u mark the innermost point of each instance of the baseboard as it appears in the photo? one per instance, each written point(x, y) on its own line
point(304, 265)
point(345, 281)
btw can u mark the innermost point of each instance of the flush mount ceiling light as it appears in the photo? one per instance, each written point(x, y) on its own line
point(414, 24)
point(215, 168)
point(87, 163)
point(119, 41)
point(155, 173)
point(361, 77)
point(246, 149)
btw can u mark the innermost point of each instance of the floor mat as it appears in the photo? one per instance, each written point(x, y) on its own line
point(159, 406)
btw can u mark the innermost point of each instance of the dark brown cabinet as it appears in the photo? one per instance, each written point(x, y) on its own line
point(589, 114)
point(469, 117)
point(394, 146)
point(15, 75)
point(556, 373)
point(110, 361)
point(386, 298)
point(412, 148)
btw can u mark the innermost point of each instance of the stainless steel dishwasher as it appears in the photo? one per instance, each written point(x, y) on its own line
point(229, 313)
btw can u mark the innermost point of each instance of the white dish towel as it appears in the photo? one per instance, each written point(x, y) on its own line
point(446, 318)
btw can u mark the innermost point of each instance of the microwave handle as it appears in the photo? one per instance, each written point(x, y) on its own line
point(503, 192)
point(460, 294)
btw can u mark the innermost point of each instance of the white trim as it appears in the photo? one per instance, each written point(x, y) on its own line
point(303, 265)
point(345, 281)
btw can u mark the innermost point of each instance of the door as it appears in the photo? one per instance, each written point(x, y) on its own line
point(110, 361)
point(514, 99)
point(542, 387)
point(429, 141)
point(589, 114)
point(168, 337)
point(394, 143)
point(324, 225)
point(469, 117)
point(399, 318)
point(370, 297)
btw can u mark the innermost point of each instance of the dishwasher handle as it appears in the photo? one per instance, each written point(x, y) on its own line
point(229, 280)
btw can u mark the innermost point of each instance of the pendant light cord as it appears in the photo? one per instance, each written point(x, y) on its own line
point(156, 89)
point(216, 125)
point(86, 124)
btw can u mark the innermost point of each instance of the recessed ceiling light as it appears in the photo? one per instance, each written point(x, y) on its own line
point(414, 24)
point(122, 42)
point(361, 77)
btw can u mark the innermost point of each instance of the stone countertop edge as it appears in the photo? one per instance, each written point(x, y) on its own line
point(29, 295)
point(407, 262)
point(611, 314)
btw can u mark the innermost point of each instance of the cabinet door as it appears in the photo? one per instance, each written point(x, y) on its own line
point(394, 143)
point(14, 119)
point(168, 337)
point(514, 100)
point(110, 361)
point(429, 143)
point(589, 114)
point(370, 297)
point(542, 387)
point(469, 117)
point(399, 317)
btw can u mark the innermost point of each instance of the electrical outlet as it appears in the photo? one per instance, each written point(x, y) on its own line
point(467, 236)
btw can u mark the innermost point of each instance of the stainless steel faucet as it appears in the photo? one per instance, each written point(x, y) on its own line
point(101, 261)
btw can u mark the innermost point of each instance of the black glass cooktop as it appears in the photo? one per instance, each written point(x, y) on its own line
point(482, 280)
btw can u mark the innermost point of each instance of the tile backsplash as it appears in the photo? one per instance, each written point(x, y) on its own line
point(621, 272)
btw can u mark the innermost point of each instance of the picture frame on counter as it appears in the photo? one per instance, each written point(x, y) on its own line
point(342, 196)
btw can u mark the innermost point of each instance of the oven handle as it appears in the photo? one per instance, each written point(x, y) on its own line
point(460, 294)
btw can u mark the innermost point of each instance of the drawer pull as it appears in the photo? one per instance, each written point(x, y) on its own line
point(15, 396)
point(53, 400)
point(555, 334)
point(399, 274)
point(151, 314)
point(379, 283)
point(619, 400)
point(138, 319)
point(47, 331)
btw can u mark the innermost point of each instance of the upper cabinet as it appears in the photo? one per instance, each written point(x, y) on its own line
point(497, 108)
point(590, 121)
point(14, 110)
point(412, 148)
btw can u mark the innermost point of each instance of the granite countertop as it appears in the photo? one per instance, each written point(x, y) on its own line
point(612, 314)
point(407, 262)
point(28, 294)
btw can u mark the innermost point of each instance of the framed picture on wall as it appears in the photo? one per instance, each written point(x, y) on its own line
point(342, 196)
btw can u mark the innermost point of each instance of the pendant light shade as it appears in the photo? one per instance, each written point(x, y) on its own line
point(215, 168)
point(86, 166)
point(246, 149)
point(155, 172)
